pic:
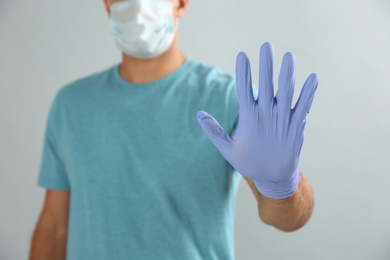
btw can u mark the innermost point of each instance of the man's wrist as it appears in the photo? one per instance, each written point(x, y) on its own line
point(278, 190)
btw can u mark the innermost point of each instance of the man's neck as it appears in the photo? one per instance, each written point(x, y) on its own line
point(148, 70)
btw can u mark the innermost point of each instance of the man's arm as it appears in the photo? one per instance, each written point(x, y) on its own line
point(289, 214)
point(51, 232)
point(268, 141)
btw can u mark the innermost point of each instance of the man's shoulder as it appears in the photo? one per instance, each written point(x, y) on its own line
point(211, 76)
point(86, 84)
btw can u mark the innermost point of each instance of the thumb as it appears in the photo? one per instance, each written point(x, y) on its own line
point(214, 131)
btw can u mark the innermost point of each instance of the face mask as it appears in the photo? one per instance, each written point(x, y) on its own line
point(143, 29)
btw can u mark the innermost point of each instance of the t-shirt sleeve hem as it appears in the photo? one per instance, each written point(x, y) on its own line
point(52, 185)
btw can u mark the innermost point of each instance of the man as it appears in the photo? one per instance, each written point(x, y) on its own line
point(128, 170)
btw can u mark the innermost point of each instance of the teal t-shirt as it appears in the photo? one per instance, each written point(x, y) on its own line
point(145, 182)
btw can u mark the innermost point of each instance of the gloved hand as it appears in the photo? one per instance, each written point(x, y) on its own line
point(269, 137)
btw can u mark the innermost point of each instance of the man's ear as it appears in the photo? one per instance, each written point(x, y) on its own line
point(107, 5)
point(181, 7)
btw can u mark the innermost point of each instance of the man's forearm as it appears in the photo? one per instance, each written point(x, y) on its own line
point(48, 244)
point(288, 214)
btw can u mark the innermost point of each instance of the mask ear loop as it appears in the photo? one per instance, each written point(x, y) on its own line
point(174, 26)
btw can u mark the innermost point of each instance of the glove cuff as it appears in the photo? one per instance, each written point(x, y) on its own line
point(278, 190)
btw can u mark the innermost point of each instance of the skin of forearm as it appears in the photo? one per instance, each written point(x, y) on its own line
point(47, 243)
point(289, 214)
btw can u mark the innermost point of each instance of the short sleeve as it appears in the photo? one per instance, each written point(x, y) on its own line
point(52, 173)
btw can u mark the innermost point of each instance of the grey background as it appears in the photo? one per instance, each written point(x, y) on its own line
point(46, 44)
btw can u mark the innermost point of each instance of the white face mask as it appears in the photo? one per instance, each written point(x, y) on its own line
point(143, 29)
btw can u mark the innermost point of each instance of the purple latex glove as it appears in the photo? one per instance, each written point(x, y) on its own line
point(269, 137)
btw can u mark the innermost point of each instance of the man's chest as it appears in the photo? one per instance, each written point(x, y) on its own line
point(135, 148)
